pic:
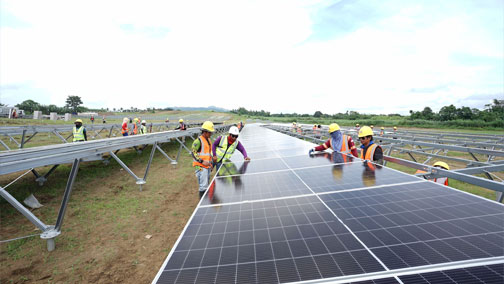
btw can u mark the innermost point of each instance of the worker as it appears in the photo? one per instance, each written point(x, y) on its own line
point(134, 130)
point(294, 127)
point(143, 128)
point(438, 164)
point(202, 156)
point(372, 127)
point(369, 150)
point(79, 132)
point(357, 126)
point(395, 129)
point(299, 129)
point(337, 142)
point(92, 119)
point(104, 120)
point(241, 126)
point(125, 130)
point(382, 131)
point(181, 125)
point(167, 120)
point(224, 147)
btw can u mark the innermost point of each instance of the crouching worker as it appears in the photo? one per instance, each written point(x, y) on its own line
point(224, 147)
point(202, 156)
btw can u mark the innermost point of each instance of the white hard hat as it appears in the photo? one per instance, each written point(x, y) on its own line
point(234, 130)
point(143, 121)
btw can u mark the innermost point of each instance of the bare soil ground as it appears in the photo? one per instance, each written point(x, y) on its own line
point(103, 237)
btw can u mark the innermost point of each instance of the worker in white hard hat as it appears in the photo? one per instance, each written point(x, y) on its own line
point(124, 128)
point(143, 127)
point(441, 165)
point(181, 125)
point(369, 150)
point(337, 142)
point(224, 147)
point(79, 132)
point(202, 156)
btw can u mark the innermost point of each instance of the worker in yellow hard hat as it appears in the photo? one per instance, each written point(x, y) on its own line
point(337, 142)
point(181, 125)
point(382, 131)
point(357, 126)
point(369, 150)
point(202, 156)
point(441, 165)
point(79, 132)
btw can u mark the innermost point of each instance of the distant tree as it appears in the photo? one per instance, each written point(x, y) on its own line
point(427, 113)
point(448, 113)
point(464, 113)
point(318, 114)
point(73, 103)
point(29, 106)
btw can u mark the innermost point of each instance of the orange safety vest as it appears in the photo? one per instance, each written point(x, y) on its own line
point(205, 152)
point(123, 129)
point(344, 145)
point(135, 129)
point(369, 153)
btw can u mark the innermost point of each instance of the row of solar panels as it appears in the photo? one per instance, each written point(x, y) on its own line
point(288, 217)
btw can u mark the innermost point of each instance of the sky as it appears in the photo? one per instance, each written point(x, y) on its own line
point(280, 56)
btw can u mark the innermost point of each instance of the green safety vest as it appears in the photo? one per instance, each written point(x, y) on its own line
point(143, 130)
point(78, 135)
point(223, 151)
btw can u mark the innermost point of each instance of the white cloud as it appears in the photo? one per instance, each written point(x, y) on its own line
point(240, 53)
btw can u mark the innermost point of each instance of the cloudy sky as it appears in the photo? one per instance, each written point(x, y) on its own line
point(280, 56)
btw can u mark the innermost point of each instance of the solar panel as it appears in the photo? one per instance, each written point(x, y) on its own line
point(287, 217)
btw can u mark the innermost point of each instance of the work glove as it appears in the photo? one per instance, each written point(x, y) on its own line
point(311, 152)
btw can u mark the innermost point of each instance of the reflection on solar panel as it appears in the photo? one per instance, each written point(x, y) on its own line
point(286, 217)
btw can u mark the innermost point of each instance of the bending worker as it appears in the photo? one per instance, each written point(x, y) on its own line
point(79, 132)
point(202, 156)
point(337, 142)
point(181, 125)
point(224, 147)
point(438, 164)
point(369, 150)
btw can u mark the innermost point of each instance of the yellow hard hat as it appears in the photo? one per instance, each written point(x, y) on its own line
point(78, 120)
point(395, 127)
point(442, 165)
point(356, 124)
point(365, 131)
point(181, 120)
point(372, 126)
point(208, 126)
point(382, 128)
point(333, 127)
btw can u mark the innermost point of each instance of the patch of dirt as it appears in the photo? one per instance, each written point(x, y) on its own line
point(103, 240)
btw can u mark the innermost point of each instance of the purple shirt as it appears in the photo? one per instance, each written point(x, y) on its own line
point(239, 146)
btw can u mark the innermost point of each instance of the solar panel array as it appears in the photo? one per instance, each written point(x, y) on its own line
point(288, 217)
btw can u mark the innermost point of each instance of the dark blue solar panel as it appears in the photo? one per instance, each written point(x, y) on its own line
point(479, 274)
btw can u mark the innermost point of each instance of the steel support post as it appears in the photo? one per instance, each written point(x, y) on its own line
point(5, 145)
point(413, 158)
point(14, 140)
point(42, 179)
point(173, 162)
point(71, 134)
point(60, 137)
point(181, 143)
point(19, 207)
point(29, 138)
point(500, 197)
point(154, 147)
point(22, 138)
point(138, 180)
point(110, 132)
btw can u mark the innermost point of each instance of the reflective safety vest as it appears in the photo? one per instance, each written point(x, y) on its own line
point(143, 129)
point(135, 129)
point(183, 126)
point(78, 134)
point(369, 153)
point(124, 129)
point(205, 152)
point(344, 145)
point(225, 151)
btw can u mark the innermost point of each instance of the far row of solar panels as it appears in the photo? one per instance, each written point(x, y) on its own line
point(288, 217)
